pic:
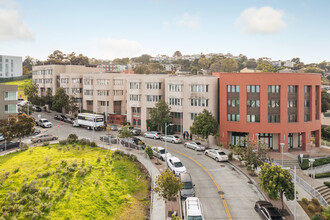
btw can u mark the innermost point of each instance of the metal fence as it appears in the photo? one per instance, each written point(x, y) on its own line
point(10, 79)
point(320, 169)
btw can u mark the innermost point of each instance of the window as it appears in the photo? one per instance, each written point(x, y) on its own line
point(273, 89)
point(292, 118)
point(193, 115)
point(153, 98)
point(118, 82)
point(306, 89)
point(154, 85)
point(48, 80)
point(306, 103)
point(199, 88)
point(118, 92)
point(88, 92)
point(175, 101)
point(88, 82)
point(292, 103)
point(134, 97)
point(273, 118)
point(252, 118)
point(273, 103)
point(232, 88)
point(104, 103)
point(76, 80)
point(103, 82)
point(253, 103)
point(199, 102)
point(10, 96)
point(292, 89)
point(253, 88)
point(103, 92)
point(12, 65)
point(9, 109)
point(233, 102)
point(134, 85)
point(232, 117)
point(174, 87)
point(64, 80)
point(76, 90)
point(306, 118)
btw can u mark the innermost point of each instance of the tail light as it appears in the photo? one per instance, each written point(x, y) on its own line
point(156, 135)
point(176, 139)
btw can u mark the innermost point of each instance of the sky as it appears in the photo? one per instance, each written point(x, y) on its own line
point(106, 29)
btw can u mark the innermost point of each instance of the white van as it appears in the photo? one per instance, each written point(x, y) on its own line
point(192, 209)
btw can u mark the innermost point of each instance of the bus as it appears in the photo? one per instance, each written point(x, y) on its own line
point(89, 121)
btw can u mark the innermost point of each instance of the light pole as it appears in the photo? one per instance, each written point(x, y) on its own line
point(166, 125)
point(295, 194)
point(282, 146)
point(311, 161)
point(258, 142)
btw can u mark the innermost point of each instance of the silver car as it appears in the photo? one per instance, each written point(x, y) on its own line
point(197, 146)
point(172, 138)
point(152, 134)
point(160, 153)
point(216, 154)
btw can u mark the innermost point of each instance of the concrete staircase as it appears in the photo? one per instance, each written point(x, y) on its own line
point(324, 191)
point(288, 163)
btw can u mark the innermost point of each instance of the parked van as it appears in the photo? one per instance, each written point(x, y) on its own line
point(188, 187)
point(192, 209)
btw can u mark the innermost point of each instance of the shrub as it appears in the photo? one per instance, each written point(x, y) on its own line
point(24, 147)
point(84, 141)
point(315, 202)
point(16, 170)
point(132, 157)
point(93, 144)
point(148, 151)
point(90, 166)
point(82, 171)
point(304, 201)
point(45, 144)
point(230, 156)
point(327, 184)
point(63, 142)
point(322, 175)
point(98, 159)
point(45, 174)
point(318, 162)
point(63, 179)
point(59, 148)
point(317, 217)
point(72, 138)
point(311, 208)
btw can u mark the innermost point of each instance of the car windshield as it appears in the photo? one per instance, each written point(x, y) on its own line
point(44, 120)
point(195, 217)
point(276, 218)
point(162, 151)
point(187, 185)
point(178, 164)
point(222, 153)
point(198, 143)
point(176, 136)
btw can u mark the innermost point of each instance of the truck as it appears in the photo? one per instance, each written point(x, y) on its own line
point(89, 121)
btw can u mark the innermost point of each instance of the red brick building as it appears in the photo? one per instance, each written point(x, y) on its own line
point(274, 107)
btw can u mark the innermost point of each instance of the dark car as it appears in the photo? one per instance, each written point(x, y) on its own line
point(69, 120)
point(267, 211)
point(107, 138)
point(137, 141)
point(37, 109)
point(63, 117)
point(58, 117)
point(136, 131)
point(8, 145)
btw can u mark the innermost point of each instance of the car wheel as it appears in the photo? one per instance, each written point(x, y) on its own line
point(185, 145)
point(216, 159)
point(154, 138)
point(39, 141)
point(206, 154)
point(195, 148)
point(54, 138)
point(172, 142)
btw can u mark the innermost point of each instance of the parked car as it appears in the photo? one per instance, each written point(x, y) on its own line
point(161, 153)
point(114, 127)
point(1, 137)
point(175, 165)
point(37, 108)
point(44, 123)
point(171, 138)
point(8, 145)
point(136, 131)
point(217, 155)
point(44, 137)
point(69, 120)
point(267, 211)
point(197, 146)
point(137, 141)
point(188, 187)
point(58, 117)
point(106, 138)
point(21, 102)
point(129, 142)
point(152, 134)
point(63, 117)
point(192, 209)
point(36, 131)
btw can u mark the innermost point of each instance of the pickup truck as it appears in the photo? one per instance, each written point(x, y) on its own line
point(44, 123)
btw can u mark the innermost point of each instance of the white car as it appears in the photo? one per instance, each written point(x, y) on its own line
point(152, 134)
point(197, 146)
point(175, 165)
point(192, 209)
point(171, 138)
point(216, 154)
point(160, 153)
point(44, 123)
point(1, 137)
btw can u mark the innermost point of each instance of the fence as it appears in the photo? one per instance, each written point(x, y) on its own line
point(10, 79)
point(320, 169)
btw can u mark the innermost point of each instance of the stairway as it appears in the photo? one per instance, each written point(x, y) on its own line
point(324, 191)
point(288, 163)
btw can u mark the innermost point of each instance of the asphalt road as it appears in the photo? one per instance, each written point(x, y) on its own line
point(223, 191)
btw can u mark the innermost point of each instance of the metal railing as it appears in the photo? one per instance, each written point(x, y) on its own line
point(11, 79)
point(320, 169)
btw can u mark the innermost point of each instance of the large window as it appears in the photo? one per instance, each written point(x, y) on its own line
point(273, 118)
point(232, 88)
point(274, 89)
point(153, 98)
point(232, 117)
point(199, 88)
point(118, 82)
point(193, 115)
point(76, 80)
point(10, 96)
point(252, 118)
point(65, 80)
point(273, 103)
point(253, 103)
point(102, 92)
point(253, 88)
point(103, 82)
point(175, 101)
point(174, 87)
point(134, 97)
point(76, 90)
point(88, 92)
point(154, 85)
point(199, 102)
point(9, 109)
point(118, 92)
point(88, 82)
point(134, 85)
point(232, 102)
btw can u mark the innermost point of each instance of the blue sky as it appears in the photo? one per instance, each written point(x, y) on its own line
point(279, 29)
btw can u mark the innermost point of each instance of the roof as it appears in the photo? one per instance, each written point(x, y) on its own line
point(193, 206)
point(175, 159)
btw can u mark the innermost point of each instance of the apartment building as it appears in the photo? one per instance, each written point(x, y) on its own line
point(48, 77)
point(10, 66)
point(274, 108)
point(8, 100)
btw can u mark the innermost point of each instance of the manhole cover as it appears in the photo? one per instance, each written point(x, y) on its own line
point(221, 193)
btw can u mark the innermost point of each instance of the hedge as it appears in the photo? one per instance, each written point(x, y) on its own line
point(318, 162)
point(321, 175)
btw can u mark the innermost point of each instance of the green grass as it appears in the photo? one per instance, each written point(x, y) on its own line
point(114, 188)
point(21, 85)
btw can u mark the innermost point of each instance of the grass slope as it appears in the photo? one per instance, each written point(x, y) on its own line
point(71, 182)
point(21, 85)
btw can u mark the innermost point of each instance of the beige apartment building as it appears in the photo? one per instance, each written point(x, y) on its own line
point(8, 100)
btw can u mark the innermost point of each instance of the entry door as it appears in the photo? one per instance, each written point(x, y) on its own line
point(290, 140)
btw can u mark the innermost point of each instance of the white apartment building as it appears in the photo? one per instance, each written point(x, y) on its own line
point(10, 66)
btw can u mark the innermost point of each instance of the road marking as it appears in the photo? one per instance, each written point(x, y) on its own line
point(218, 187)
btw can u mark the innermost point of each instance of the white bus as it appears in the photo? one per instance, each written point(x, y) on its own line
point(89, 121)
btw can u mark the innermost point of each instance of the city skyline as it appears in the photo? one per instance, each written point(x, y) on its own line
point(107, 30)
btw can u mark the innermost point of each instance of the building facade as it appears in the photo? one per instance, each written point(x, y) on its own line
point(10, 66)
point(272, 107)
point(8, 100)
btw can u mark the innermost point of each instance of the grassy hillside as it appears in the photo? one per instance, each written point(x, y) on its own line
point(21, 85)
point(71, 182)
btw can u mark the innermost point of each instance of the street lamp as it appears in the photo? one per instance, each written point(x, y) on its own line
point(166, 125)
point(282, 146)
point(311, 161)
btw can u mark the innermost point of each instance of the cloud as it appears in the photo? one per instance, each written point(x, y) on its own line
point(12, 26)
point(189, 21)
point(113, 48)
point(265, 20)
point(166, 25)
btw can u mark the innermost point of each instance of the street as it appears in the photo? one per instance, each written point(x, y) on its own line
point(223, 191)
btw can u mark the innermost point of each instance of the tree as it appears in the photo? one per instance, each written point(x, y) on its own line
point(156, 68)
point(167, 185)
point(149, 151)
point(28, 63)
point(17, 126)
point(78, 60)
point(313, 69)
point(125, 132)
point(143, 59)
point(177, 54)
point(72, 106)
point(296, 60)
point(142, 69)
point(60, 100)
point(277, 182)
point(48, 99)
point(265, 67)
point(25, 70)
point(122, 61)
point(205, 125)
point(160, 114)
point(215, 67)
point(204, 63)
point(251, 63)
point(31, 91)
point(325, 101)
point(26, 109)
point(229, 65)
